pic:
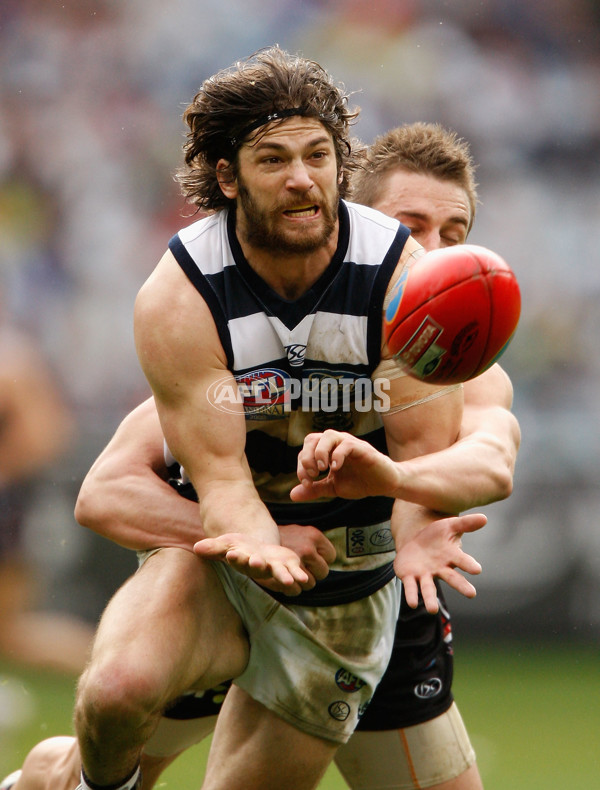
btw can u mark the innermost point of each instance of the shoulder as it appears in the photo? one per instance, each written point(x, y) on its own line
point(370, 217)
point(373, 234)
point(174, 328)
point(491, 388)
point(208, 224)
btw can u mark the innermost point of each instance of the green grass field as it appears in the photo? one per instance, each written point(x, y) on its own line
point(533, 713)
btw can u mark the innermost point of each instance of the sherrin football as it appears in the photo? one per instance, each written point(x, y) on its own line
point(452, 313)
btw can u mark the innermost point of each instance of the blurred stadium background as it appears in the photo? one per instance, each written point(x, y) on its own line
point(91, 96)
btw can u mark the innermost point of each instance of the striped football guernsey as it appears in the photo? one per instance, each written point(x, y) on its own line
point(304, 366)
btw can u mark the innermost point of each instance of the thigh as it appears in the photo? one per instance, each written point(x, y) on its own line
point(172, 623)
point(426, 755)
point(253, 748)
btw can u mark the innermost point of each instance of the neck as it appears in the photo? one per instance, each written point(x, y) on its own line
point(291, 275)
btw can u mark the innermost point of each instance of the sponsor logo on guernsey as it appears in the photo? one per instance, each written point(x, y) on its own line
point(428, 688)
point(261, 393)
point(271, 393)
point(347, 681)
point(373, 539)
point(339, 710)
point(362, 708)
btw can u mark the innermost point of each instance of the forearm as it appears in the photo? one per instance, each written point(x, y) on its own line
point(139, 512)
point(234, 506)
point(473, 472)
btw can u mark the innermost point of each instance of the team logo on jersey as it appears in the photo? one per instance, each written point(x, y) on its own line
point(428, 688)
point(295, 354)
point(339, 710)
point(347, 681)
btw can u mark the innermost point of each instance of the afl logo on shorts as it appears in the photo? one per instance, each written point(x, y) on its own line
point(339, 710)
point(428, 688)
point(347, 681)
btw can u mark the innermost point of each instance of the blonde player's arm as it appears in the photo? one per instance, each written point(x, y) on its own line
point(126, 498)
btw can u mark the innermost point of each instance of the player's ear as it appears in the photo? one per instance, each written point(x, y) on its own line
point(226, 179)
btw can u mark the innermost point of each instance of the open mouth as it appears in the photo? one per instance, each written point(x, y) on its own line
point(302, 211)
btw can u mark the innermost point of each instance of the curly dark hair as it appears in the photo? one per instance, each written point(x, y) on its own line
point(243, 98)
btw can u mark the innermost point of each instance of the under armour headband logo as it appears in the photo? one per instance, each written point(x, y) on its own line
point(264, 119)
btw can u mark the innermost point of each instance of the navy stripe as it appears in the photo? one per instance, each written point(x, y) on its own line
point(350, 291)
point(340, 587)
point(271, 454)
point(386, 270)
point(333, 513)
point(233, 293)
point(199, 281)
point(322, 515)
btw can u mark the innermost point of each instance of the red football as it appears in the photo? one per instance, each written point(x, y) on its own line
point(452, 313)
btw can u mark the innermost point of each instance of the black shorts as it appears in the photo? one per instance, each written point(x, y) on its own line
point(417, 685)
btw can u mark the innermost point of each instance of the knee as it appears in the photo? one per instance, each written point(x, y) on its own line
point(115, 693)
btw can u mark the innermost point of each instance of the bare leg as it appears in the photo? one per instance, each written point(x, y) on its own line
point(169, 628)
point(55, 764)
point(254, 748)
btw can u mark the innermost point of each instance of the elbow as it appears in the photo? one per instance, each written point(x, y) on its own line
point(503, 481)
point(505, 486)
point(86, 511)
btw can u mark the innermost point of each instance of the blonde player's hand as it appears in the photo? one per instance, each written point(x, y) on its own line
point(353, 468)
point(436, 552)
point(316, 552)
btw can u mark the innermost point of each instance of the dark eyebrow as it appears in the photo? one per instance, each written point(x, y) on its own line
point(280, 147)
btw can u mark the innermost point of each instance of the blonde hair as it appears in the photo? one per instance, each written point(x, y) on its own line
point(425, 148)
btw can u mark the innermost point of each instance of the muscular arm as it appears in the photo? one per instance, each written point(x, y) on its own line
point(478, 467)
point(181, 354)
point(473, 471)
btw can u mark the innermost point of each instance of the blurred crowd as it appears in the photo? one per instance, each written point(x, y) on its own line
point(91, 97)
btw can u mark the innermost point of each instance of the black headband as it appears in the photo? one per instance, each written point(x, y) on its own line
point(264, 119)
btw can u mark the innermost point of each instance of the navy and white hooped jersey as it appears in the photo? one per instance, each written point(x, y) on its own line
point(304, 365)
